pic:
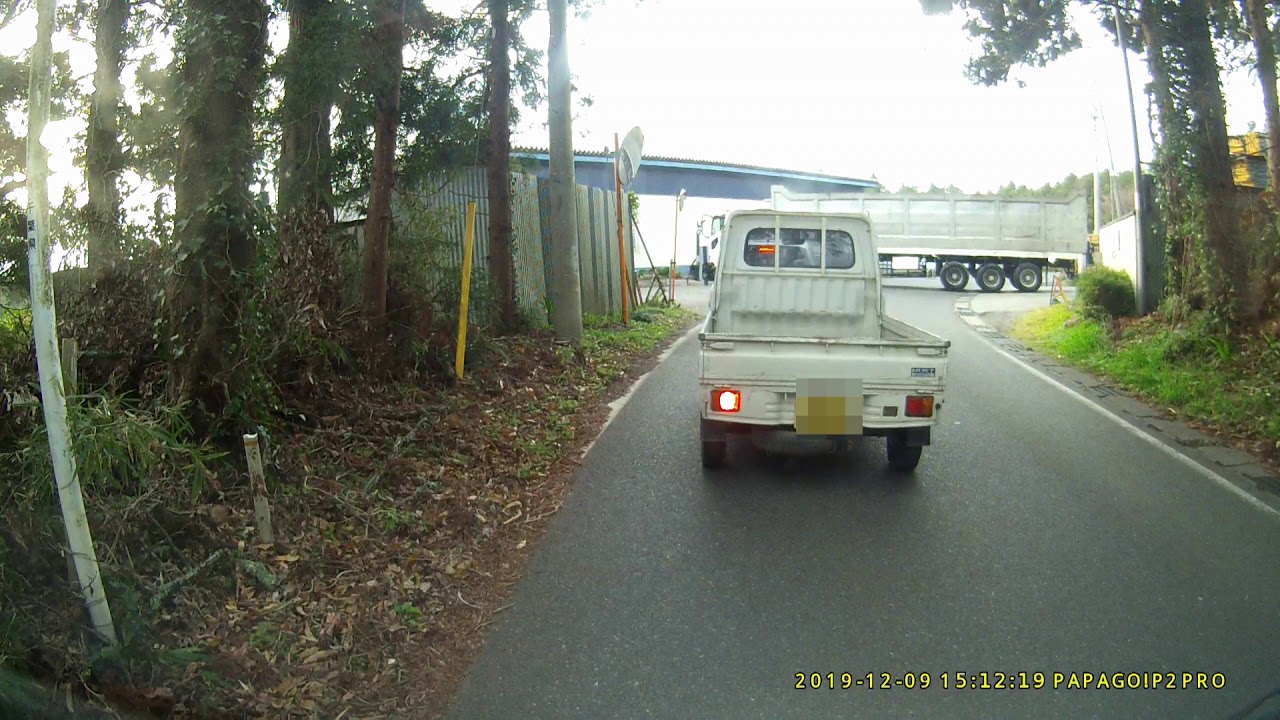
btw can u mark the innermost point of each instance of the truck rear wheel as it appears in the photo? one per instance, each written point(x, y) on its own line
point(902, 459)
point(713, 453)
point(990, 278)
point(714, 443)
point(1027, 277)
point(954, 276)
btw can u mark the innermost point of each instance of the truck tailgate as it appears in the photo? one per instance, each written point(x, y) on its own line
point(884, 364)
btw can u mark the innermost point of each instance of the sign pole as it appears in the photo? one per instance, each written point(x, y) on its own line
point(622, 243)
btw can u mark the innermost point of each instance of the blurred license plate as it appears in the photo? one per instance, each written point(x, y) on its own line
point(829, 407)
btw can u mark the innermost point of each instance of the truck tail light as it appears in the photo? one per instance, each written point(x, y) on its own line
point(726, 400)
point(920, 406)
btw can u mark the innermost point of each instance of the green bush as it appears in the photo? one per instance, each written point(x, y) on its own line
point(122, 447)
point(1105, 293)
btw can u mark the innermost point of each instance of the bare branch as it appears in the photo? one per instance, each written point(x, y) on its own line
point(11, 186)
point(13, 8)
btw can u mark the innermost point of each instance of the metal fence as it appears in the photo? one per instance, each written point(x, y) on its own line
point(599, 266)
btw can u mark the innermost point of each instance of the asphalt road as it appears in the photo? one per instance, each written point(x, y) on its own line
point(1034, 537)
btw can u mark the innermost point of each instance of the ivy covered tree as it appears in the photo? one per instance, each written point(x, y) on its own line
point(221, 45)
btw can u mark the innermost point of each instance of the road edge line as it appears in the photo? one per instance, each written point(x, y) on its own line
point(1190, 462)
point(616, 405)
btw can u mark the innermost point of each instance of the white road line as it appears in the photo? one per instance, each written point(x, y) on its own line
point(1171, 452)
point(616, 406)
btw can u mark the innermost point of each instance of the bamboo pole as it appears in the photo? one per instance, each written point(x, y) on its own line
point(44, 323)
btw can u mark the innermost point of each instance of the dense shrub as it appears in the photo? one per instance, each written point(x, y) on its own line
point(1105, 293)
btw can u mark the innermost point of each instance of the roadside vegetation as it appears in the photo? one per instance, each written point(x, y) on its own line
point(231, 259)
point(1175, 360)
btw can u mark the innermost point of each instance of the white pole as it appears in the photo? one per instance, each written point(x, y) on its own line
point(566, 280)
point(1097, 180)
point(44, 323)
point(1139, 213)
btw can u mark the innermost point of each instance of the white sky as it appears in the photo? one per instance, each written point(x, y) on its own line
point(847, 87)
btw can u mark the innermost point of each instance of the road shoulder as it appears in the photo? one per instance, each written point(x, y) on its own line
point(1223, 463)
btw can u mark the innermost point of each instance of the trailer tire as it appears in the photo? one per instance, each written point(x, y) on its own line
point(954, 276)
point(1028, 277)
point(990, 278)
point(902, 458)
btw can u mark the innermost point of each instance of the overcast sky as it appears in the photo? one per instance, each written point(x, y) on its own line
point(849, 87)
point(858, 88)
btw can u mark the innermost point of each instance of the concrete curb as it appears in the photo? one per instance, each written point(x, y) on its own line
point(1236, 471)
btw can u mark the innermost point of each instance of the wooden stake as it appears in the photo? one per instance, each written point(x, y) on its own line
point(258, 478)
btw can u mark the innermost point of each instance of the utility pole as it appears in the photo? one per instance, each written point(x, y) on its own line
point(1097, 191)
point(566, 283)
point(1097, 180)
point(1139, 214)
point(44, 323)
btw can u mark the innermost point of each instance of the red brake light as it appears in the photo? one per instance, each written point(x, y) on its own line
point(920, 406)
point(726, 401)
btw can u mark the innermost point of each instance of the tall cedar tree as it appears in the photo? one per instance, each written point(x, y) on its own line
point(387, 59)
point(103, 158)
point(220, 47)
point(310, 90)
point(1209, 154)
point(501, 257)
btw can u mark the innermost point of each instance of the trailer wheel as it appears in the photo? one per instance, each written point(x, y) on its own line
point(990, 278)
point(902, 459)
point(954, 276)
point(1027, 277)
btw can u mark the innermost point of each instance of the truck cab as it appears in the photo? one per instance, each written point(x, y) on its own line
point(797, 341)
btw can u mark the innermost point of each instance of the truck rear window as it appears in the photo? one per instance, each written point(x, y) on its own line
point(799, 248)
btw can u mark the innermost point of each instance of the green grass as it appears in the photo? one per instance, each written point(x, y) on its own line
point(1233, 386)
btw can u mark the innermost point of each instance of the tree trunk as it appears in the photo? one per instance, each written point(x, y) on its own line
point(1211, 157)
point(103, 159)
point(501, 256)
point(1255, 12)
point(220, 52)
point(309, 94)
point(386, 71)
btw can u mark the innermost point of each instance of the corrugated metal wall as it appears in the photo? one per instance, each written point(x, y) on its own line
point(597, 238)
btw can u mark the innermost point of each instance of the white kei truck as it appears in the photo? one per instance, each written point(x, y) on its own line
point(797, 342)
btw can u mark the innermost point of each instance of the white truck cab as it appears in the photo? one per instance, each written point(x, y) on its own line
point(797, 340)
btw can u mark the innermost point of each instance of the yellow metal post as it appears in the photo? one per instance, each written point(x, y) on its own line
point(622, 244)
point(463, 307)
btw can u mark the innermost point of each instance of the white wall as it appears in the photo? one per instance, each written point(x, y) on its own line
point(1116, 242)
point(657, 220)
